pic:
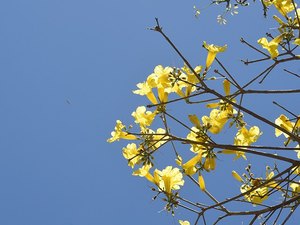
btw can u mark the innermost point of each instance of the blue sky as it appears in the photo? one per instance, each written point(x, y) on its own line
point(68, 69)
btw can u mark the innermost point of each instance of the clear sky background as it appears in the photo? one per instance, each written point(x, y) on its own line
point(67, 71)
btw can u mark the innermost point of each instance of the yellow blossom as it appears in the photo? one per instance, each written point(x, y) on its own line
point(178, 160)
point(268, 2)
point(189, 166)
point(163, 84)
point(154, 139)
point(236, 176)
point(257, 195)
point(143, 117)
point(284, 6)
point(191, 79)
point(165, 80)
point(222, 105)
point(201, 183)
point(194, 119)
point(295, 186)
point(281, 23)
point(163, 75)
point(286, 124)
point(132, 154)
point(216, 120)
point(226, 85)
point(146, 89)
point(244, 137)
point(167, 180)
point(118, 133)
point(210, 163)
point(181, 222)
point(144, 172)
point(297, 41)
point(270, 175)
point(213, 50)
point(219, 117)
point(296, 170)
point(178, 80)
point(196, 135)
point(158, 138)
point(170, 179)
point(271, 46)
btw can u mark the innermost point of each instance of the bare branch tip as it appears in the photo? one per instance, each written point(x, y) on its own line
point(245, 62)
point(157, 27)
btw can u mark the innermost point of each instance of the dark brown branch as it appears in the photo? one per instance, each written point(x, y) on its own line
point(246, 149)
point(159, 29)
point(297, 75)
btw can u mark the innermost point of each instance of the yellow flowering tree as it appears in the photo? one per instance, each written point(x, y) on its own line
point(221, 132)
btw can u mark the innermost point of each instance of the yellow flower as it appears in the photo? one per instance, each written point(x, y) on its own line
point(142, 117)
point(260, 194)
point(163, 75)
point(201, 183)
point(296, 170)
point(165, 80)
point(244, 137)
point(181, 222)
point(131, 153)
point(281, 23)
point(218, 117)
point(210, 163)
point(222, 105)
point(226, 85)
point(284, 6)
point(268, 2)
point(163, 84)
point(271, 46)
point(167, 180)
point(194, 119)
point(285, 123)
point(297, 41)
point(236, 176)
point(196, 135)
point(170, 179)
point(155, 139)
point(120, 134)
point(213, 50)
point(178, 160)
point(146, 89)
point(257, 195)
point(295, 188)
point(216, 120)
point(191, 79)
point(189, 166)
point(144, 172)
point(170, 80)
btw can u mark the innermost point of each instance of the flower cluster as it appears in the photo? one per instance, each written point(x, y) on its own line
point(287, 26)
point(202, 129)
point(256, 189)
